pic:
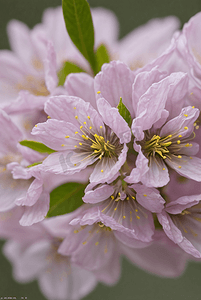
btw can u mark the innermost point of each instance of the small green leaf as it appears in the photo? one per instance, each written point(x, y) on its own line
point(68, 68)
point(66, 198)
point(102, 56)
point(34, 164)
point(80, 28)
point(124, 112)
point(39, 147)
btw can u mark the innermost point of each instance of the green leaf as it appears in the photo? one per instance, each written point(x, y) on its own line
point(66, 198)
point(102, 56)
point(80, 28)
point(68, 68)
point(34, 164)
point(124, 112)
point(39, 147)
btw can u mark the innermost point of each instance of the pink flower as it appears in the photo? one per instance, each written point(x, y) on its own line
point(164, 138)
point(35, 256)
point(129, 206)
point(83, 136)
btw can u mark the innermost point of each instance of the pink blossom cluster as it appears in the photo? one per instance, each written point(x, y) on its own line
point(142, 174)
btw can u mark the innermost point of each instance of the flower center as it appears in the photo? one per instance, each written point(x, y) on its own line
point(102, 148)
point(157, 145)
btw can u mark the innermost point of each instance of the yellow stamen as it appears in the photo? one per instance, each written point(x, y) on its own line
point(145, 195)
point(186, 128)
point(102, 171)
point(67, 136)
point(98, 92)
point(88, 117)
point(178, 142)
point(76, 117)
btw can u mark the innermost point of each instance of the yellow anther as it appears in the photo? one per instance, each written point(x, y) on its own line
point(190, 145)
point(36, 125)
point(76, 132)
point(88, 117)
point(98, 92)
point(180, 135)
point(74, 107)
point(178, 142)
point(75, 231)
point(179, 156)
point(75, 146)
point(67, 136)
point(187, 145)
point(96, 243)
point(76, 117)
point(80, 144)
point(112, 197)
point(192, 106)
point(75, 165)
point(124, 217)
point(81, 127)
point(84, 243)
point(186, 128)
point(102, 171)
point(164, 157)
point(185, 115)
point(85, 123)
point(179, 167)
point(136, 210)
point(138, 217)
point(194, 124)
point(127, 198)
point(163, 169)
point(133, 197)
point(85, 137)
point(119, 194)
point(190, 157)
point(48, 117)
point(101, 126)
point(90, 127)
point(197, 127)
point(63, 145)
point(145, 195)
point(115, 208)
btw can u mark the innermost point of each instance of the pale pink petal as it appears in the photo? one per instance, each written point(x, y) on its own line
point(37, 212)
point(114, 120)
point(32, 194)
point(149, 198)
point(7, 130)
point(51, 78)
point(99, 194)
point(81, 85)
point(189, 167)
point(162, 257)
point(114, 81)
point(142, 82)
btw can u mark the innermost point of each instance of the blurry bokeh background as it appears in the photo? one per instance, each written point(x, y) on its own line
point(134, 284)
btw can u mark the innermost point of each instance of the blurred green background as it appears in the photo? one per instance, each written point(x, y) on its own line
point(134, 284)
